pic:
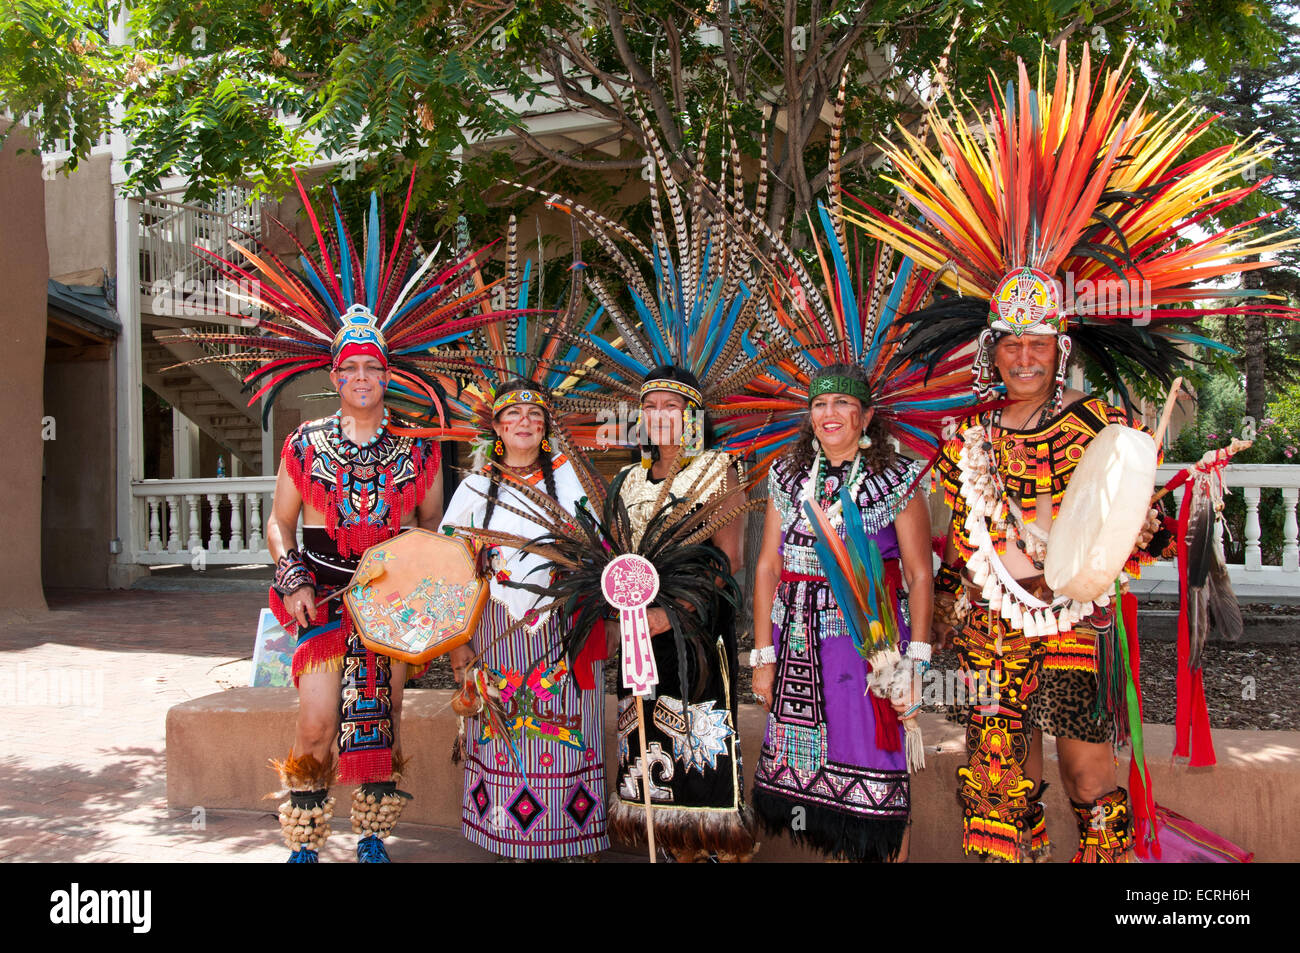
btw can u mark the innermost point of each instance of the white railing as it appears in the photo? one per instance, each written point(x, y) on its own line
point(221, 521)
point(1250, 577)
point(212, 521)
point(167, 235)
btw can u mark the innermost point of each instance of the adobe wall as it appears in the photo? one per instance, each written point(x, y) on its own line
point(79, 217)
point(25, 266)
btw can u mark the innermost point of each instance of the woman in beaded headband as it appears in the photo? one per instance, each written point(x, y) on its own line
point(672, 414)
point(560, 702)
point(850, 381)
point(521, 421)
point(823, 717)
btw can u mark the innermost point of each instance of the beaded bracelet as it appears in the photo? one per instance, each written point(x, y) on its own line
point(292, 574)
point(763, 656)
point(948, 579)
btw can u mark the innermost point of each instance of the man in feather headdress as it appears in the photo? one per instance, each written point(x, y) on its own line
point(355, 482)
point(1059, 189)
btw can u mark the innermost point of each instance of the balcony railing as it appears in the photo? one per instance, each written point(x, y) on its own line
point(202, 522)
point(222, 520)
point(167, 235)
point(1252, 577)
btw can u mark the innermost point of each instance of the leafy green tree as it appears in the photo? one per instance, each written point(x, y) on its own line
point(1259, 95)
point(244, 89)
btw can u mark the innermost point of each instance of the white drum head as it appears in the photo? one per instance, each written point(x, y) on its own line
point(1102, 513)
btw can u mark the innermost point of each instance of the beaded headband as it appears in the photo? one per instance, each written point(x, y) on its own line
point(839, 384)
point(673, 387)
point(518, 397)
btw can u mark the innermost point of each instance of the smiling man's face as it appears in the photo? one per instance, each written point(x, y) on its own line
point(1027, 365)
point(361, 382)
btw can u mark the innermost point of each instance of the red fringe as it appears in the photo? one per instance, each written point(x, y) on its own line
point(358, 767)
point(356, 539)
point(888, 729)
point(326, 648)
point(986, 835)
point(1192, 718)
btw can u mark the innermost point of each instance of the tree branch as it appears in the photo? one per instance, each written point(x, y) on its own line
point(645, 83)
point(568, 161)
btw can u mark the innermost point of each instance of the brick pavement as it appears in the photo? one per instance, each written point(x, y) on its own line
point(84, 694)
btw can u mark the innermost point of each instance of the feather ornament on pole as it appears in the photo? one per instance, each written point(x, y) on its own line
point(856, 574)
point(1205, 594)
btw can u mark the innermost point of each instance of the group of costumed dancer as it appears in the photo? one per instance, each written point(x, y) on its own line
point(841, 389)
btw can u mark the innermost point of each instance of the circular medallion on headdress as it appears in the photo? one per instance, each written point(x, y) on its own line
point(359, 333)
point(1027, 301)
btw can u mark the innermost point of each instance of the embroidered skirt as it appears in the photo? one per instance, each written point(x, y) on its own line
point(696, 785)
point(538, 793)
point(821, 778)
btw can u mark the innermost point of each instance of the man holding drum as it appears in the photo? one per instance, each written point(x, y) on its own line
point(1045, 679)
point(1060, 229)
point(355, 482)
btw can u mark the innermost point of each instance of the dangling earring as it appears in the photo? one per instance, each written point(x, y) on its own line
point(982, 370)
point(816, 446)
point(864, 441)
point(546, 445)
point(498, 448)
point(1063, 346)
point(692, 442)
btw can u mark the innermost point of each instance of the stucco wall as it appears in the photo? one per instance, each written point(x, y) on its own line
point(25, 266)
point(79, 221)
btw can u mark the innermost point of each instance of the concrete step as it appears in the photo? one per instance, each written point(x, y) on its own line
point(218, 747)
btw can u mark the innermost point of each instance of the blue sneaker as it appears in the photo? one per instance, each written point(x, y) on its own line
point(370, 850)
point(303, 857)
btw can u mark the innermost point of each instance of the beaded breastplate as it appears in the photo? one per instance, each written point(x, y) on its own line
point(702, 479)
point(880, 496)
point(364, 491)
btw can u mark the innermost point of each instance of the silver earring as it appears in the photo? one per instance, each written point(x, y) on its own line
point(816, 447)
point(864, 442)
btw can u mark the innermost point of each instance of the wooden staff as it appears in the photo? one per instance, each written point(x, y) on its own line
point(645, 778)
point(1168, 411)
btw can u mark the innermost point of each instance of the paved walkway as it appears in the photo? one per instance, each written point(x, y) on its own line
point(84, 694)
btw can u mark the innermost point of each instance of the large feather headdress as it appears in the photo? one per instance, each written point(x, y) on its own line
point(1066, 211)
point(381, 296)
point(852, 315)
point(532, 345)
point(687, 301)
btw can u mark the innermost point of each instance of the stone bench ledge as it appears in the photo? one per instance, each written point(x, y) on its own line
point(218, 747)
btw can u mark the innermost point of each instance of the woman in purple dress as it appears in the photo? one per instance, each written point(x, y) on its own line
point(833, 769)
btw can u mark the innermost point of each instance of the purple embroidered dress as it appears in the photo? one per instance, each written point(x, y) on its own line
point(821, 776)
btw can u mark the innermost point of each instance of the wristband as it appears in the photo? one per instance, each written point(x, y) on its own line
point(920, 651)
point(763, 656)
point(948, 579)
point(292, 574)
